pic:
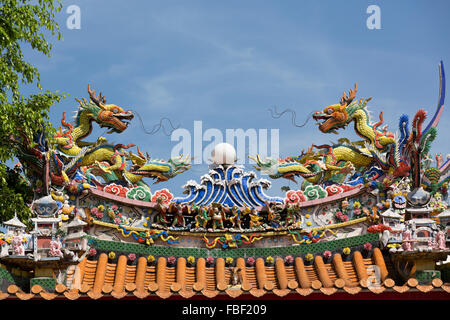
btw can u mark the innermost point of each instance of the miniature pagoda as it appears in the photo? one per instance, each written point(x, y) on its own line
point(75, 239)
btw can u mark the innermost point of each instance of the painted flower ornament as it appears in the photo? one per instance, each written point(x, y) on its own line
point(163, 196)
point(191, 260)
point(367, 246)
point(346, 251)
point(289, 259)
point(171, 260)
point(294, 196)
point(210, 260)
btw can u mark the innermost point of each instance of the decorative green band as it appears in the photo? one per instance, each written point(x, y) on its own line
point(47, 284)
point(426, 276)
point(167, 251)
point(5, 274)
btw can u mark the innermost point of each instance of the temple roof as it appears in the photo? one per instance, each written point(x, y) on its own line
point(15, 222)
point(422, 221)
point(444, 214)
point(76, 235)
point(391, 214)
point(101, 277)
point(46, 220)
point(419, 210)
point(76, 223)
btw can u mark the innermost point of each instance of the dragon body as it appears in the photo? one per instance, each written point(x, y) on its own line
point(333, 163)
point(380, 148)
point(160, 170)
point(69, 141)
point(67, 155)
point(329, 163)
point(71, 152)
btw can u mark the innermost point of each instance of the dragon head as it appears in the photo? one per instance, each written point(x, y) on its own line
point(106, 115)
point(180, 164)
point(337, 116)
point(288, 169)
point(158, 169)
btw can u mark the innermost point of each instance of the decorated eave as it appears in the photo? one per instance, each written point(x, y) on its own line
point(391, 214)
point(76, 223)
point(15, 222)
point(336, 277)
point(444, 214)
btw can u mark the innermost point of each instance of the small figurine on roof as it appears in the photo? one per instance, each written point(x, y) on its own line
point(202, 218)
point(344, 206)
point(55, 248)
point(291, 217)
point(17, 245)
point(407, 241)
point(255, 219)
point(437, 204)
point(440, 240)
point(399, 202)
point(273, 217)
point(217, 215)
point(161, 217)
point(178, 218)
point(235, 218)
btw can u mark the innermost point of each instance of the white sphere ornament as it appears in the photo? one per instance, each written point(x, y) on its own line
point(223, 153)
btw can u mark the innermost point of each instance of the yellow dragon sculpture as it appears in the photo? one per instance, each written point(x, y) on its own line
point(71, 151)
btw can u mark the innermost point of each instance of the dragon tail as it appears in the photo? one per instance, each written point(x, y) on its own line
point(404, 131)
point(440, 107)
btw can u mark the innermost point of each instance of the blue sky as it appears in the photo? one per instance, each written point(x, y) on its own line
point(227, 62)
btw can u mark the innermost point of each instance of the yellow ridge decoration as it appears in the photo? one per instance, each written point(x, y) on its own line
point(228, 240)
point(136, 232)
point(308, 241)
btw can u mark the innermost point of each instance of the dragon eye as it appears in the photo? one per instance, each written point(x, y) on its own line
point(330, 111)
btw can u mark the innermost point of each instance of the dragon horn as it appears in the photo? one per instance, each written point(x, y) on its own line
point(140, 153)
point(257, 159)
point(345, 101)
point(79, 101)
point(98, 100)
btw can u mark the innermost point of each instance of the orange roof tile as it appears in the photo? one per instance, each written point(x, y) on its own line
point(98, 278)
